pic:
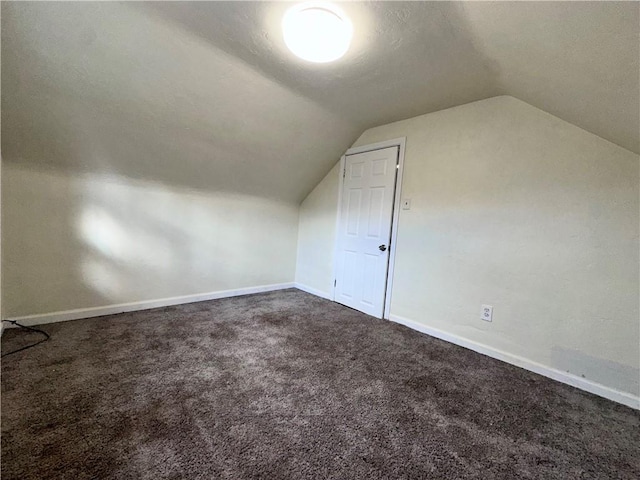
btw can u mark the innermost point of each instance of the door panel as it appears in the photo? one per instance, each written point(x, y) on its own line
point(365, 225)
point(353, 212)
point(375, 225)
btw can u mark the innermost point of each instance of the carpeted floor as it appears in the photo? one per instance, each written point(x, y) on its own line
point(287, 385)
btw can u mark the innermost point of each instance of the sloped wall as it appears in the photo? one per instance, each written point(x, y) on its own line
point(316, 234)
point(142, 162)
point(518, 209)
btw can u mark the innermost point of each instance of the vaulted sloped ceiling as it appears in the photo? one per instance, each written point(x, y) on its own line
point(205, 94)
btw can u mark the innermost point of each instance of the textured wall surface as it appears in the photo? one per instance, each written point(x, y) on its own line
point(107, 88)
point(316, 235)
point(81, 241)
point(577, 60)
point(515, 208)
point(141, 162)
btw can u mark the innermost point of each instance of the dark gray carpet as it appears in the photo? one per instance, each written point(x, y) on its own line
point(287, 385)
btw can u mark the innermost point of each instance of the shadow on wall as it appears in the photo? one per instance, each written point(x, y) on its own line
point(81, 241)
point(40, 247)
point(602, 370)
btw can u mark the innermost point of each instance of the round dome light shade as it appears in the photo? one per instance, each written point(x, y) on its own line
point(317, 32)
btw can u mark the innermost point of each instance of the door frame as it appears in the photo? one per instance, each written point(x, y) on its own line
point(396, 142)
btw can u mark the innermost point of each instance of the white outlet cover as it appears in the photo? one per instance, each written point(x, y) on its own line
point(486, 313)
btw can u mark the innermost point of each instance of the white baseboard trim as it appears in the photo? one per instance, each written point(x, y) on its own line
point(564, 377)
point(40, 319)
point(312, 291)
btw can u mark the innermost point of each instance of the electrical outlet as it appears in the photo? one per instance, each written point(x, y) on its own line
point(486, 313)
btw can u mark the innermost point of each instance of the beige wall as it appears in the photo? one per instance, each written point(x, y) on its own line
point(316, 234)
point(518, 209)
point(80, 241)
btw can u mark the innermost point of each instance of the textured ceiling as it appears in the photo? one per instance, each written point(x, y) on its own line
point(576, 60)
point(205, 94)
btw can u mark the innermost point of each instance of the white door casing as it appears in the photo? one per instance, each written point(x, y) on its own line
point(364, 229)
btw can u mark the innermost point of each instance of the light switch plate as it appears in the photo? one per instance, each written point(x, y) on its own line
point(406, 204)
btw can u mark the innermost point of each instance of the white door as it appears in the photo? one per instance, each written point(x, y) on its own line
point(364, 230)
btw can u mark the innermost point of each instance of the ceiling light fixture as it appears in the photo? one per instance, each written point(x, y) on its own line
point(317, 32)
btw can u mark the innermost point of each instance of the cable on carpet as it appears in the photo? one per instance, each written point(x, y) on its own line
point(37, 330)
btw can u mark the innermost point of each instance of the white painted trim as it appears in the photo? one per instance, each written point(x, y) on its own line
point(343, 160)
point(313, 291)
point(394, 228)
point(558, 375)
point(39, 319)
point(396, 142)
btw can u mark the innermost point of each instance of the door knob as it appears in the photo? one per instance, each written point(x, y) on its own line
point(382, 248)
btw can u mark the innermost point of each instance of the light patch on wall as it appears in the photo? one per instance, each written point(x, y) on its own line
point(103, 233)
point(118, 242)
point(103, 277)
point(92, 240)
